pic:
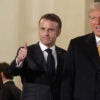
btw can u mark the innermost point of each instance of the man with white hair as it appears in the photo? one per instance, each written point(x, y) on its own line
point(84, 61)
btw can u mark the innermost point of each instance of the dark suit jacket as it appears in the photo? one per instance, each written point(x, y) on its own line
point(36, 83)
point(83, 61)
point(10, 92)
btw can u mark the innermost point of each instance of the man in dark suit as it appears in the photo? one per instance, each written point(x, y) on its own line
point(8, 90)
point(84, 62)
point(31, 62)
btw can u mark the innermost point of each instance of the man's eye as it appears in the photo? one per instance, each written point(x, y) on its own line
point(93, 18)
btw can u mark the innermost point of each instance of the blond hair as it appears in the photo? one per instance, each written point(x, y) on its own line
point(94, 6)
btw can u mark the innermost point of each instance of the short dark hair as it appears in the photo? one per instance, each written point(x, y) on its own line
point(5, 68)
point(52, 17)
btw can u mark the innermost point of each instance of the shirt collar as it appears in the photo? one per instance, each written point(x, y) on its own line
point(43, 47)
point(97, 39)
point(6, 81)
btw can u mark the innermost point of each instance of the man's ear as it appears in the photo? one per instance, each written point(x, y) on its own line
point(1, 73)
point(59, 32)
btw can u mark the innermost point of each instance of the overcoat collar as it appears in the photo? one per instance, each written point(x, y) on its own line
point(90, 48)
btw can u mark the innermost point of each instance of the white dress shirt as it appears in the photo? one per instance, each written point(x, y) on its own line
point(43, 48)
point(97, 40)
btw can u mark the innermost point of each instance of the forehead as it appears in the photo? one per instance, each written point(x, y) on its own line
point(48, 22)
point(95, 12)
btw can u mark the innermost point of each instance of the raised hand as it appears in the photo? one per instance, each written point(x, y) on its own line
point(22, 53)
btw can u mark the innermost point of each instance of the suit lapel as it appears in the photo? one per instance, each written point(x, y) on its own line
point(38, 56)
point(39, 59)
point(59, 60)
point(90, 49)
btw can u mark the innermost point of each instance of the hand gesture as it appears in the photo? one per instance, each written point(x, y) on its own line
point(22, 53)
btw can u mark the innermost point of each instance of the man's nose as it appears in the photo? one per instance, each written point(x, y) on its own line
point(98, 20)
point(46, 32)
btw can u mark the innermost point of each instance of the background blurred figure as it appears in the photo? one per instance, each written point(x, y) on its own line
point(8, 91)
point(1, 83)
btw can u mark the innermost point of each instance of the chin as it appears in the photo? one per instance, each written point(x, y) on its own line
point(98, 34)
